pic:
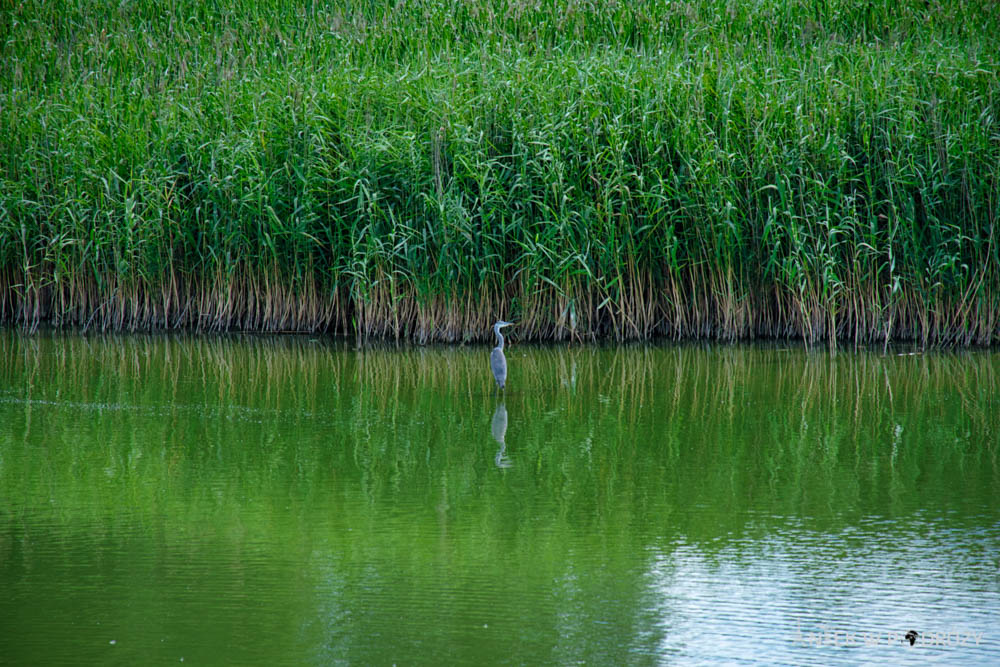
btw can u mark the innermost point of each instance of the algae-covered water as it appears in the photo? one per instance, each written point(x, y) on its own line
point(247, 500)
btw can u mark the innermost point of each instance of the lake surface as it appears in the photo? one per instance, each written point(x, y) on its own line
point(249, 500)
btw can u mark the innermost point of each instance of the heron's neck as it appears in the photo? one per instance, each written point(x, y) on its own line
point(499, 338)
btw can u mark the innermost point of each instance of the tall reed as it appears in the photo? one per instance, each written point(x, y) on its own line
point(814, 169)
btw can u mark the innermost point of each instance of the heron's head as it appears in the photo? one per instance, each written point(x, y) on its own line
point(501, 324)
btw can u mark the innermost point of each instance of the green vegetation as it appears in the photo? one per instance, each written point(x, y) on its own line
point(825, 169)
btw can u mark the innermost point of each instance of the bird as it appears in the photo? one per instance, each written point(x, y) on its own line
point(498, 362)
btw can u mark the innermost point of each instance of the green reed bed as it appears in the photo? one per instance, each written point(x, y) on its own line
point(711, 169)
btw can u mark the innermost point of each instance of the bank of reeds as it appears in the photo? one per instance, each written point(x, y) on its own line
point(818, 169)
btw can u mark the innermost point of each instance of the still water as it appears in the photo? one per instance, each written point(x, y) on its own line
point(247, 500)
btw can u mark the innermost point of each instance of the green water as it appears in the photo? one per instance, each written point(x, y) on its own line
point(293, 501)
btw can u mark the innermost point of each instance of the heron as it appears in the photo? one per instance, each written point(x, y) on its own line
point(498, 362)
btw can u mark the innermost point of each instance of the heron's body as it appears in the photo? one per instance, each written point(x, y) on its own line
point(498, 362)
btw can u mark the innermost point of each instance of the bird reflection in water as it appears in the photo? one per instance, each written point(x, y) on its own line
point(499, 433)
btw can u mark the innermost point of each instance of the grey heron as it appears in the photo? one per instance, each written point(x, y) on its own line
point(498, 362)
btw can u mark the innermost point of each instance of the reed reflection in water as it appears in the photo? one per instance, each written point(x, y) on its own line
point(297, 498)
